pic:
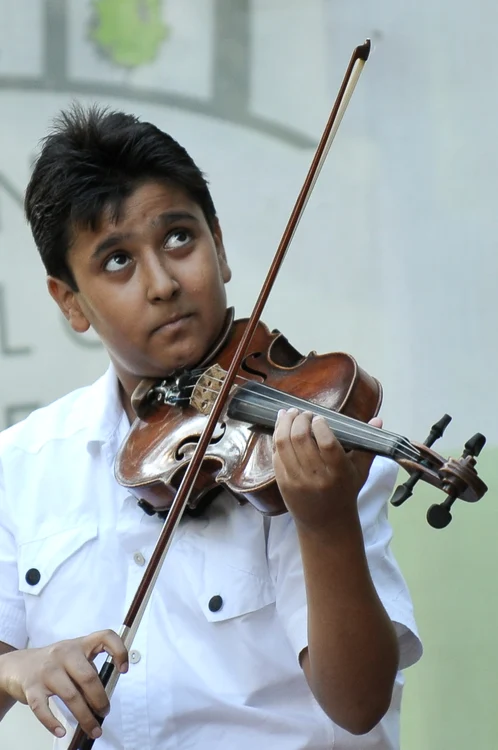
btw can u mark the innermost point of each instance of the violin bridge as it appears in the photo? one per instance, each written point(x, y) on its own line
point(207, 388)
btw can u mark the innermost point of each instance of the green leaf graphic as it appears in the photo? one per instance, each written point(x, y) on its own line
point(129, 32)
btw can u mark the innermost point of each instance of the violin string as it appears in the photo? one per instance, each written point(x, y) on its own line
point(337, 417)
point(378, 436)
point(340, 420)
point(377, 440)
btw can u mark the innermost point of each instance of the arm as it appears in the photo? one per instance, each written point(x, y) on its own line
point(6, 701)
point(352, 656)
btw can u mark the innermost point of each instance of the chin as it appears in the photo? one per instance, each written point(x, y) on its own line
point(185, 362)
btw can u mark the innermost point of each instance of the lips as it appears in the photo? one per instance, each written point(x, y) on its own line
point(170, 322)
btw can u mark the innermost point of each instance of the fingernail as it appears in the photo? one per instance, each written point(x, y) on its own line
point(124, 667)
point(59, 732)
point(96, 733)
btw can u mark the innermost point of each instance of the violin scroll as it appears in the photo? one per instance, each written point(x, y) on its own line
point(457, 478)
point(456, 482)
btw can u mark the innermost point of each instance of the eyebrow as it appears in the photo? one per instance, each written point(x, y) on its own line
point(162, 220)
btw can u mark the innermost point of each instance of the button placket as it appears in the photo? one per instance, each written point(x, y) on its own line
point(139, 559)
point(136, 540)
point(135, 656)
point(134, 694)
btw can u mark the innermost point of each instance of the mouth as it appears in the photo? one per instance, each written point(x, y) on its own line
point(172, 324)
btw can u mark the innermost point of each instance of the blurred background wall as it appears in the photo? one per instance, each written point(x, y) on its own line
point(395, 260)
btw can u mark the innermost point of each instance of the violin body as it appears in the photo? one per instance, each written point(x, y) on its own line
point(162, 440)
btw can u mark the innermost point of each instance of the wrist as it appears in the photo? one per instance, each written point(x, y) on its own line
point(3, 676)
point(6, 699)
point(344, 527)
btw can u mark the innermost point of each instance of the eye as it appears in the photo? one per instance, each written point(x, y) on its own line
point(177, 238)
point(117, 262)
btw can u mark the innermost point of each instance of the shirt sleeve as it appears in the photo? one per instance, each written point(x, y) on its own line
point(12, 611)
point(287, 571)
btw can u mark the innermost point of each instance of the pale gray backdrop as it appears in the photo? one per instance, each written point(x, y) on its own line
point(395, 260)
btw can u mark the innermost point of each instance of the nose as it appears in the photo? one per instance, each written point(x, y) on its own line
point(160, 283)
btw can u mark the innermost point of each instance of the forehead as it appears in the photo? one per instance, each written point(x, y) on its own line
point(138, 212)
point(145, 202)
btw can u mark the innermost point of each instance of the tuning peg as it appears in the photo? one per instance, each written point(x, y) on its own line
point(439, 515)
point(404, 491)
point(437, 430)
point(474, 446)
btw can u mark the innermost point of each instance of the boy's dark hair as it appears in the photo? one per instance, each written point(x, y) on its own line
point(91, 161)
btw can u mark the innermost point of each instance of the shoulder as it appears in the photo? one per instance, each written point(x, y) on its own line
point(77, 413)
point(57, 420)
point(51, 452)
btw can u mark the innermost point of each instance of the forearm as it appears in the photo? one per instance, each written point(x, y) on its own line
point(352, 644)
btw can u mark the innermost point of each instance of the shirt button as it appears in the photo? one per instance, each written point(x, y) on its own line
point(135, 657)
point(215, 603)
point(139, 558)
point(33, 576)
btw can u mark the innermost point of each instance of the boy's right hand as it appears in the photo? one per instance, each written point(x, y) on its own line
point(66, 670)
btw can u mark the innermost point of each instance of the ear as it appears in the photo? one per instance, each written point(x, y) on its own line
point(226, 273)
point(67, 300)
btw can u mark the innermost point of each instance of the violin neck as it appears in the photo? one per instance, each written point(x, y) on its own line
point(259, 404)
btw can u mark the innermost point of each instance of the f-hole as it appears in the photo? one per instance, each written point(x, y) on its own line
point(247, 366)
point(218, 435)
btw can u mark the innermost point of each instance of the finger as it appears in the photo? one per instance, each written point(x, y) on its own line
point(85, 677)
point(328, 445)
point(38, 703)
point(305, 444)
point(363, 460)
point(335, 456)
point(282, 444)
point(65, 689)
point(109, 642)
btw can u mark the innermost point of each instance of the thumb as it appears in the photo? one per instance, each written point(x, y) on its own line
point(363, 460)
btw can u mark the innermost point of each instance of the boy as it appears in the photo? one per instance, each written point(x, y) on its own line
point(288, 632)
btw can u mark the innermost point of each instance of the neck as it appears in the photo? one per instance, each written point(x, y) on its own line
point(259, 404)
point(126, 402)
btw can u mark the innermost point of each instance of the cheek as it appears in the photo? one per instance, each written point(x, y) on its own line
point(202, 276)
point(208, 286)
point(115, 322)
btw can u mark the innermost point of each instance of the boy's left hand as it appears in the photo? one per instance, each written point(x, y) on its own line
point(318, 480)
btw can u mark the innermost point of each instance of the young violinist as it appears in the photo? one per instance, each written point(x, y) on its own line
point(284, 632)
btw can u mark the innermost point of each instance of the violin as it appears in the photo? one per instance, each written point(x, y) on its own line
point(273, 375)
point(210, 427)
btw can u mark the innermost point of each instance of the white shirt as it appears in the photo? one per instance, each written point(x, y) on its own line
point(198, 678)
